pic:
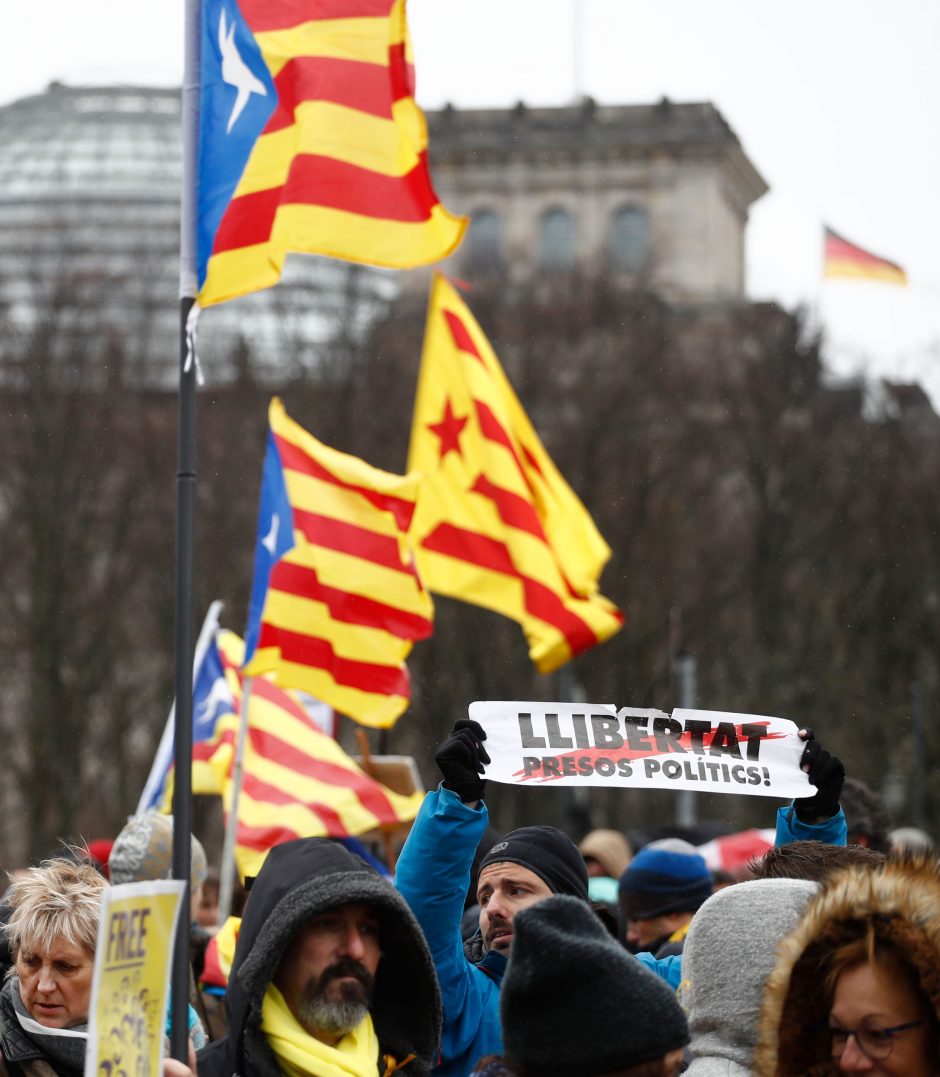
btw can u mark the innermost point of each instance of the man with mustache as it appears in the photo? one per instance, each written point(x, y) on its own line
point(331, 974)
point(526, 866)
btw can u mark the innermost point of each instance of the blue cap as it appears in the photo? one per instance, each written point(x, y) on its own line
point(664, 877)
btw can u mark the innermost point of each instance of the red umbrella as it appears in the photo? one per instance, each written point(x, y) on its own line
point(732, 852)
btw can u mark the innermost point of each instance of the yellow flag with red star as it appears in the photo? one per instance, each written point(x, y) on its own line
point(496, 524)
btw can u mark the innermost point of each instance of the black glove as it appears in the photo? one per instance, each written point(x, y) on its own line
point(461, 758)
point(827, 772)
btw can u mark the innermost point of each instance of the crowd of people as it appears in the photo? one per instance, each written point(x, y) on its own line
point(523, 956)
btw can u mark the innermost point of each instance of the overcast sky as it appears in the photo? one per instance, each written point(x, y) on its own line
point(837, 103)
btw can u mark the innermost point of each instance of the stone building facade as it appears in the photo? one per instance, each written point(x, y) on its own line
point(656, 194)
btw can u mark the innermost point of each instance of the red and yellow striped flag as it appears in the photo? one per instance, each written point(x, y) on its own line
point(845, 259)
point(297, 781)
point(344, 603)
point(311, 141)
point(496, 524)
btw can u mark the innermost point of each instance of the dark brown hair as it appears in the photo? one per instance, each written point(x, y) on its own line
point(813, 861)
point(887, 958)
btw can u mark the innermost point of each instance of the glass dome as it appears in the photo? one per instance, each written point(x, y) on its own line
point(89, 223)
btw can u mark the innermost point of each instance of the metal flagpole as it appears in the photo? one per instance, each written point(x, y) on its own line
point(684, 670)
point(227, 867)
point(185, 537)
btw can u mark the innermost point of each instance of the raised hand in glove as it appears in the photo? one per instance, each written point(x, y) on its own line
point(461, 759)
point(827, 772)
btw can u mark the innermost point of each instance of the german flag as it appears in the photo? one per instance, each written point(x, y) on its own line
point(336, 600)
point(297, 780)
point(496, 523)
point(846, 260)
point(310, 140)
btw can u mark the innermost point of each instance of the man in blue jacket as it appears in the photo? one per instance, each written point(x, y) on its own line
point(433, 875)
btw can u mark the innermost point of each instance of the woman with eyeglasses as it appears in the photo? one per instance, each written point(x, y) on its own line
point(856, 987)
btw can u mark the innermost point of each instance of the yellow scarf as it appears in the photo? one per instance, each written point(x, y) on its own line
point(225, 940)
point(680, 933)
point(301, 1055)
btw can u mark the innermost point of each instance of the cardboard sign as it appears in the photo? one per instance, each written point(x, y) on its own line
point(127, 1019)
point(587, 744)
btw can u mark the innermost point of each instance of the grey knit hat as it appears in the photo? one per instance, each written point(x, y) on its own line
point(144, 851)
point(574, 1003)
point(729, 952)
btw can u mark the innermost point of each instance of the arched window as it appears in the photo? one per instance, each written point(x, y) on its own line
point(556, 239)
point(629, 239)
point(484, 242)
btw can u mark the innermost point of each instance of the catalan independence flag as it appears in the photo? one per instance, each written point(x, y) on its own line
point(214, 682)
point(310, 140)
point(215, 715)
point(497, 525)
point(297, 781)
point(336, 600)
point(845, 259)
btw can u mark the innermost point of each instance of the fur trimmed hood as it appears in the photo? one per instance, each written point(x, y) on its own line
point(901, 900)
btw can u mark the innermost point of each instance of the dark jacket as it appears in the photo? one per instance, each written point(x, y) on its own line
point(22, 1055)
point(299, 880)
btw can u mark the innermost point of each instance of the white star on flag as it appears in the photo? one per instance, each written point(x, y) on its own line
point(236, 72)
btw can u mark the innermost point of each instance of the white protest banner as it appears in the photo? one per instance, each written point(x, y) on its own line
point(587, 744)
point(131, 985)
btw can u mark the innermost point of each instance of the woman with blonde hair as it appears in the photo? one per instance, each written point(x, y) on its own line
point(44, 1003)
point(856, 986)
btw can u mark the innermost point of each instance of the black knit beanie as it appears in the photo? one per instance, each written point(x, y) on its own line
point(574, 1003)
point(551, 854)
